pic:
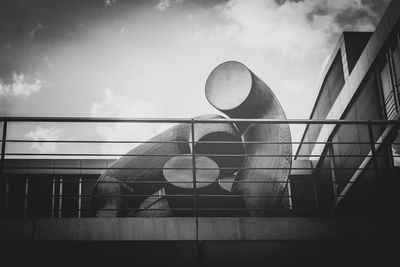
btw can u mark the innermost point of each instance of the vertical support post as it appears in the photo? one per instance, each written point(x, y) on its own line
point(80, 197)
point(315, 192)
point(373, 152)
point(3, 180)
point(53, 197)
point(372, 146)
point(26, 197)
point(315, 196)
point(60, 196)
point(333, 173)
point(289, 190)
point(194, 177)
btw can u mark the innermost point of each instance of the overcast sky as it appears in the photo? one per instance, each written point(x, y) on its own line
point(151, 58)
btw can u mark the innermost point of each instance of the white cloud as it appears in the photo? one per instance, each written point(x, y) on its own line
point(38, 27)
point(45, 134)
point(20, 86)
point(109, 3)
point(124, 106)
point(163, 5)
point(295, 29)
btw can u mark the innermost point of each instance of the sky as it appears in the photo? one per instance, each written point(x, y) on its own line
point(151, 58)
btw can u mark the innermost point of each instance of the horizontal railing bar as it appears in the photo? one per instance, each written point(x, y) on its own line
point(187, 155)
point(97, 141)
point(190, 120)
point(187, 209)
point(188, 142)
point(17, 180)
point(30, 197)
point(181, 168)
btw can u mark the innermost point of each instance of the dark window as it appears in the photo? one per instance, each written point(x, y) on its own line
point(333, 84)
point(396, 63)
point(350, 153)
point(385, 81)
point(387, 90)
point(335, 79)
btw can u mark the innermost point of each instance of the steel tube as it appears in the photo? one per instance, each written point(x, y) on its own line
point(236, 91)
point(138, 168)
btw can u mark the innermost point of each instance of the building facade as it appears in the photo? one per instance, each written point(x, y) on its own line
point(361, 82)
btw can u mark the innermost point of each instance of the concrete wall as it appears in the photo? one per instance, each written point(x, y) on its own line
point(181, 229)
point(222, 242)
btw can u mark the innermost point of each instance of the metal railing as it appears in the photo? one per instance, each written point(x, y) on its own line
point(57, 183)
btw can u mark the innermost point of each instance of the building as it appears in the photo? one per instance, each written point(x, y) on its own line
point(361, 82)
point(341, 205)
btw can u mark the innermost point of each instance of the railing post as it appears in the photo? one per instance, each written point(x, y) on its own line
point(3, 181)
point(372, 146)
point(333, 173)
point(373, 153)
point(60, 198)
point(315, 190)
point(315, 193)
point(194, 176)
point(80, 197)
point(53, 196)
point(26, 197)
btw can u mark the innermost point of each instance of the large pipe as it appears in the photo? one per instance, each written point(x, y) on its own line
point(236, 91)
point(178, 171)
point(122, 188)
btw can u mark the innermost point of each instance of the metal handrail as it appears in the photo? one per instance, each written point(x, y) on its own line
point(189, 121)
point(58, 199)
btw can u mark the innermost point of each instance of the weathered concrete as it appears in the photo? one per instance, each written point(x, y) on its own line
point(211, 229)
point(116, 229)
point(274, 228)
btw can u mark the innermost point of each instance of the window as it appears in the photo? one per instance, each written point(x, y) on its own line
point(396, 64)
point(385, 81)
point(387, 90)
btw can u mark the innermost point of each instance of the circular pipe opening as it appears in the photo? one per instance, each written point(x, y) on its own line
point(228, 85)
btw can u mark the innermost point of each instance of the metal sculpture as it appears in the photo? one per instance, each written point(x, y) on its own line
point(122, 188)
point(236, 91)
point(251, 159)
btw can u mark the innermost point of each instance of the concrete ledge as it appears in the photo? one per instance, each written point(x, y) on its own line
point(116, 229)
point(274, 228)
point(216, 228)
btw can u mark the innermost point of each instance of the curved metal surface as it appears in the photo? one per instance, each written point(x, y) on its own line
point(236, 91)
point(178, 171)
point(123, 177)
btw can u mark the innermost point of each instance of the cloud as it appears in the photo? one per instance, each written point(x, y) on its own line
point(125, 106)
point(109, 3)
point(293, 28)
point(20, 86)
point(45, 134)
point(163, 5)
point(37, 28)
